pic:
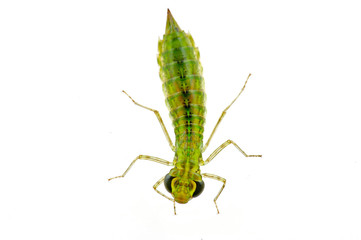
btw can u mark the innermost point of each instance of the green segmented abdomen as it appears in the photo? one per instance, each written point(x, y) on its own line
point(183, 86)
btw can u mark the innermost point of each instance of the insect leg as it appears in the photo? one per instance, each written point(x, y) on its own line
point(156, 185)
point(144, 157)
point(218, 178)
point(223, 114)
point(224, 145)
point(159, 119)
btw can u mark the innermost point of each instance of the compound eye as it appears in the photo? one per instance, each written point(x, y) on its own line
point(168, 182)
point(199, 188)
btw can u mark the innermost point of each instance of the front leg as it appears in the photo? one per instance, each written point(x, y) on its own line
point(218, 178)
point(156, 185)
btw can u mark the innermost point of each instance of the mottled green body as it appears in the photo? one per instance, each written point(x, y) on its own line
point(183, 87)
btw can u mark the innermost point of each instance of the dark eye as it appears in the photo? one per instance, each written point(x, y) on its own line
point(199, 188)
point(168, 183)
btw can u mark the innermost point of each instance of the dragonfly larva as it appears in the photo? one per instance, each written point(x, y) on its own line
point(183, 87)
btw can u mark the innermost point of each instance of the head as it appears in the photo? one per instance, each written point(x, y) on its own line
point(184, 189)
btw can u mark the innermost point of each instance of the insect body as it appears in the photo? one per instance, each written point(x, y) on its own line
point(183, 87)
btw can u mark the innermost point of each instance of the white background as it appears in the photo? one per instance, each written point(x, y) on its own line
point(66, 127)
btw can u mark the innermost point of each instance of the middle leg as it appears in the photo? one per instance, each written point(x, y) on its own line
point(144, 157)
point(223, 146)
